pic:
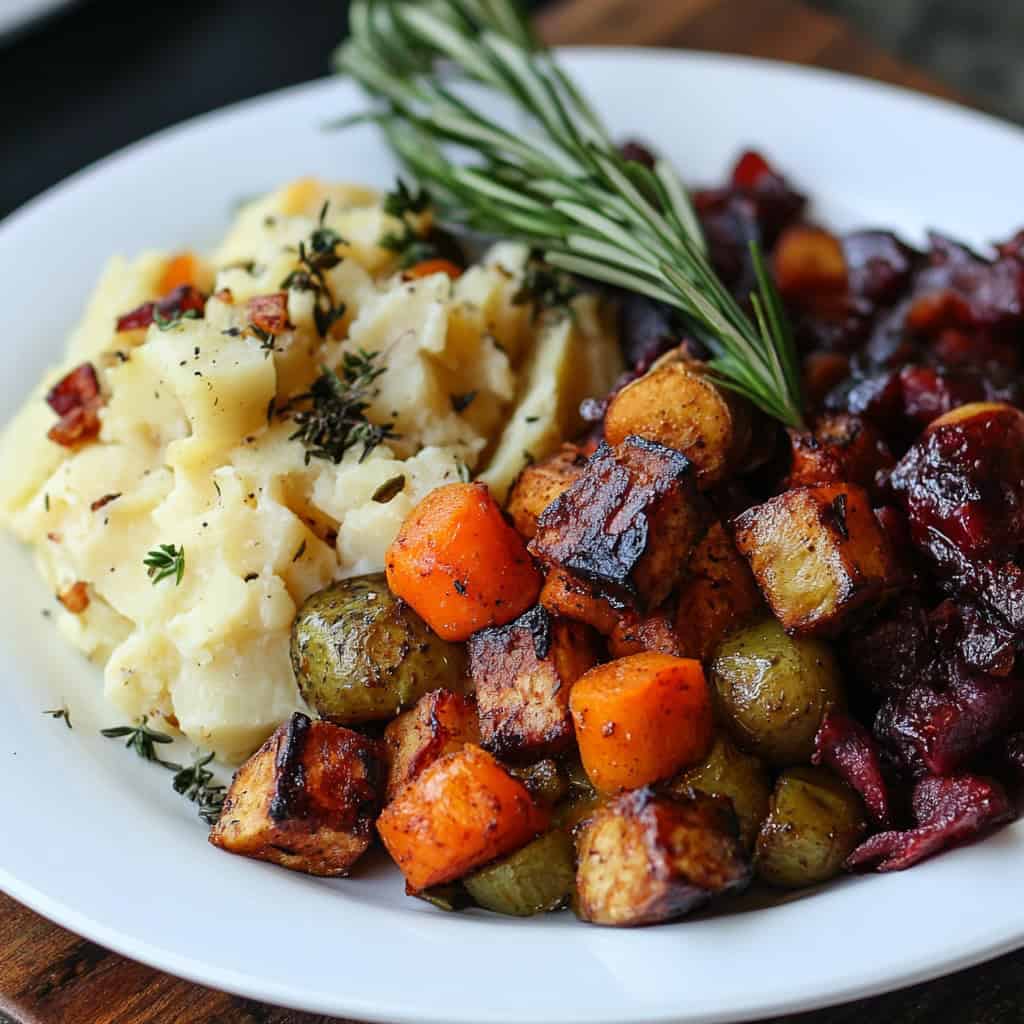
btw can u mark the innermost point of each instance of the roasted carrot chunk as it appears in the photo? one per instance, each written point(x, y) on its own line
point(463, 811)
point(640, 719)
point(459, 563)
point(436, 266)
point(181, 269)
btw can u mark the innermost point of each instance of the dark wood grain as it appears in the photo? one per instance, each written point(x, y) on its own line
point(49, 976)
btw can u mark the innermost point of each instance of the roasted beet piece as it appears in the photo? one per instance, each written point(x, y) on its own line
point(938, 732)
point(184, 299)
point(627, 525)
point(928, 392)
point(647, 329)
point(982, 642)
point(1013, 753)
point(76, 399)
point(878, 264)
point(964, 481)
point(776, 203)
point(637, 152)
point(841, 448)
point(948, 812)
point(892, 652)
point(848, 749)
point(876, 395)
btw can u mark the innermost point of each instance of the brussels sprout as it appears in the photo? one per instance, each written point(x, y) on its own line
point(816, 821)
point(772, 689)
point(545, 780)
point(537, 878)
point(360, 654)
point(727, 771)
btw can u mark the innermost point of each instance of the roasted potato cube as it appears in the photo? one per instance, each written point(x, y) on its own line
point(677, 404)
point(306, 799)
point(634, 635)
point(808, 261)
point(440, 722)
point(627, 525)
point(523, 673)
point(539, 484)
point(567, 596)
point(819, 556)
point(841, 448)
point(718, 594)
point(644, 858)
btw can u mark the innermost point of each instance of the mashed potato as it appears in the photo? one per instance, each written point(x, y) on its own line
point(191, 453)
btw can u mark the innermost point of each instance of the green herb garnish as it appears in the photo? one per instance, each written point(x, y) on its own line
point(60, 713)
point(195, 783)
point(333, 418)
point(410, 247)
point(316, 256)
point(165, 323)
point(141, 739)
point(165, 561)
point(546, 288)
point(562, 187)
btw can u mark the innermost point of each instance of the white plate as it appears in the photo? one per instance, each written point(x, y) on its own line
point(17, 15)
point(96, 840)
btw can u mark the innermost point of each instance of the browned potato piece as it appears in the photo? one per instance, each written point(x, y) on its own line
point(624, 529)
point(539, 484)
point(523, 673)
point(678, 405)
point(306, 800)
point(440, 722)
point(654, 632)
point(718, 595)
point(808, 260)
point(842, 448)
point(567, 596)
point(644, 858)
point(818, 554)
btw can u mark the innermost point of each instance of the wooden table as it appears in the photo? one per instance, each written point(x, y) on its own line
point(49, 976)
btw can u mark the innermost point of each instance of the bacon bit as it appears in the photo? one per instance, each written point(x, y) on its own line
point(269, 312)
point(76, 399)
point(75, 598)
point(105, 500)
point(179, 301)
point(54, 536)
point(848, 749)
point(225, 295)
point(427, 267)
point(948, 811)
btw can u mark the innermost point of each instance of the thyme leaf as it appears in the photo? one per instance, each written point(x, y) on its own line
point(165, 561)
point(141, 739)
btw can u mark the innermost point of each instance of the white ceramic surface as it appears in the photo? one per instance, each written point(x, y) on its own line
point(96, 840)
point(17, 15)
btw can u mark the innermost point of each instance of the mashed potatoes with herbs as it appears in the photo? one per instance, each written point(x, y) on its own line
point(195, 449)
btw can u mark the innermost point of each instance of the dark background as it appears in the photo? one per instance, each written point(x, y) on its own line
point(105, 73)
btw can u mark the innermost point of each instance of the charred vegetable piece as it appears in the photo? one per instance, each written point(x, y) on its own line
point(459, 563)
point(678, 405)
point(360, 654)
point(536, 879)
point(645, 858)
point(961, 630)
point(841, 448)
point(891, 652)
point(654, 632)
point(772, 690)
point(819, 556)
point(568, 596)
point(522, 673)
point(626, 526)
point(440, 723)
point(450, 897)
point(76, 399)
point(305, 800)
point(849, 750)
point(641, 718)
point(718, 594)
point(540, 483)
point(815, 822)
point(948, 812)
point(728, 772)
point(462, 812)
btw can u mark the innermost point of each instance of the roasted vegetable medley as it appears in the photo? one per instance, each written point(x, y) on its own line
point(694, 648)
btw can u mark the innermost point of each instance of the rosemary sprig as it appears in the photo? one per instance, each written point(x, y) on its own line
point(563, 188)
point(195, 783)
point(141, 739)
point(165, 561)
point(333, 418)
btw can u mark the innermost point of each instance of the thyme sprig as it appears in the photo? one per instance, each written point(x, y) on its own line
point(195, 783)
point(142, 740)
point(562, 187)
point(410, 246)
point(316, 256)
point(546, 288)
point(60, 713)
point(165, 561)
point(332, 418)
